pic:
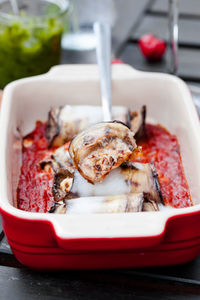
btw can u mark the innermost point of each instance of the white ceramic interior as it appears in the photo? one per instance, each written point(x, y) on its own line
point(168, 102)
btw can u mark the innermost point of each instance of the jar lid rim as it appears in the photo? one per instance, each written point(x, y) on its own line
point(62, 4)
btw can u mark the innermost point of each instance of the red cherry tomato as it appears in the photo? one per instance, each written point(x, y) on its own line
point(152, 47)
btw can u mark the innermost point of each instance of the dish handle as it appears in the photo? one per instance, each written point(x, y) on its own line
point(128, 231)
point(109, 232)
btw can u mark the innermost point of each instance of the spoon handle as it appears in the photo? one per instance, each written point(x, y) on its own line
point(15, 7)
point(103, 35)
point(173, 34)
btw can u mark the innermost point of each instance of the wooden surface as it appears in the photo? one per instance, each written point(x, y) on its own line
point(177, 282)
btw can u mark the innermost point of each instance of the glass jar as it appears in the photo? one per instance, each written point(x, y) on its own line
point(30, 42)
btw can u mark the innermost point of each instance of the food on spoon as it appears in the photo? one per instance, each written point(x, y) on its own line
point(65, 122)
point(101, 148)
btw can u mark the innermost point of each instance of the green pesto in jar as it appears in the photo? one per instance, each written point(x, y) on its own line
point(28, 49)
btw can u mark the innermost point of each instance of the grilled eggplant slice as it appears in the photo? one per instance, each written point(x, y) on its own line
point(58, 208)
point(63, 160)
point(101, 148)
point(137, 122)
point(111, 204)
point(149, 205)
point(139, 188)
point(134, 202)
point(63, 172)
point(143, 178)
point(61, 126)
point(132, 179)
point(52, 129)
point(65, 122)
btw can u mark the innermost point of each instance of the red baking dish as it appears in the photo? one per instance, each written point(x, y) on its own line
point(52, 241)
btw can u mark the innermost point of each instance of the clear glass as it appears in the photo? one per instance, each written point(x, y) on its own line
point(83, 14)
point(30, 42)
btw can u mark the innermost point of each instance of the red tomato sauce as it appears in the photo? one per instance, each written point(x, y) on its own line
point(34, 191)
point(162, 148)
point(35, 185)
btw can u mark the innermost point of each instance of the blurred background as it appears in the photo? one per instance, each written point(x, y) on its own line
point(131, 19)
point(150, 35)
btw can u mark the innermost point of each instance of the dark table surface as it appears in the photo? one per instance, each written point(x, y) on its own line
point(174, 282)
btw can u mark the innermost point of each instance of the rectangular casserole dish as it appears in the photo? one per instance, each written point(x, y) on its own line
point(50, 241)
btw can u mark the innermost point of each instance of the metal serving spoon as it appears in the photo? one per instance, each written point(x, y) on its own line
point(15, 7)
point(103, 50)
point(102, 147)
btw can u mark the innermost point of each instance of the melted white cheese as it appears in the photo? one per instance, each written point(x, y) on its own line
point(84, 205)
point(113, 184)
